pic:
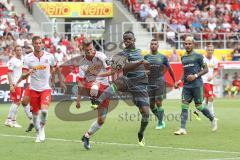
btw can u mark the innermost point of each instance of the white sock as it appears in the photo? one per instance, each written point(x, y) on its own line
point(36, 122)
point(10, 113)
point(93, 128)
point(43, 116)
point(14, 111)
point(210, 108)
point(28, 112)
point(204, 103)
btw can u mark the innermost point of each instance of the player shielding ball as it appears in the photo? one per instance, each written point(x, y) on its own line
point(158, 65)
point(194, 67)
point(93, 80)
point(134, 81)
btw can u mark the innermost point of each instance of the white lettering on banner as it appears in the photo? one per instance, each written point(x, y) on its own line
point(4, 95)
point(4, 79)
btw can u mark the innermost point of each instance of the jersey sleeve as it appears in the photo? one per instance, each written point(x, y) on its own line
point(201, 62)
point(103, 58)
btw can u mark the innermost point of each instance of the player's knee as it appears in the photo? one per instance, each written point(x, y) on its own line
point(94, 90)
point(101, 121)
point(159, 103)
point(145, 116)
point(17, 103)
point(119, 84)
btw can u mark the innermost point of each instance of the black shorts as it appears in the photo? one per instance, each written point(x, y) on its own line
point(188, 94)
point(138, 90)
point(156, 90)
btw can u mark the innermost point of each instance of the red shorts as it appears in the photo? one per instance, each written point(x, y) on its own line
point(208, 90)
point(17, 95)
point(26, 92)
point(101, 88)
point(39, 98)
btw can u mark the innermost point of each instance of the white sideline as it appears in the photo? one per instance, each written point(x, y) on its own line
point(232, 158)
point(134, 145)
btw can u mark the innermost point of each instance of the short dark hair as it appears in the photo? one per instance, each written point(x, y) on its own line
point(129, 32)
point(87, 42)
point(35, 38)
point(154, 39)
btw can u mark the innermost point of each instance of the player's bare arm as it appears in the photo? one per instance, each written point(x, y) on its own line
point(195, 76)
point(172, 74)
point(12, 89)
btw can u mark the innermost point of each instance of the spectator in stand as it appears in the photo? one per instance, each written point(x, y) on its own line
point(10, 41)
point(236, 53)
point(60, 56)
point(55, 39)
point(46, 41)
point(174, 57)
point(20, 40)
point(27, 48)
point(75, 45)
point(161, 5)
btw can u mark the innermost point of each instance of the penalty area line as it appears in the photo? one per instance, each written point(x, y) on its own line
point(126, 144)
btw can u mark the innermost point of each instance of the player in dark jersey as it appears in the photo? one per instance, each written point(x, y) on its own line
point(194, 67)
point(158, 65)
point(134, 81)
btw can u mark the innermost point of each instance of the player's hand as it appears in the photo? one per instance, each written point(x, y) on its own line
point(191, 77)
point(146, 64)
point(78, 106)
point(12, 88)
point(63, 86)
point(176, 85)
point(210, 79)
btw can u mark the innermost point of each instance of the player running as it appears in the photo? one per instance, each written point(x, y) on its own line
point(159, 63)
point(134, 81)
point(93, 80)
point(14, 73)
point(38, 65)
point(212, 64)
point(194, 67)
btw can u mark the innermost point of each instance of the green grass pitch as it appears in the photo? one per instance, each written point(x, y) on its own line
point(117, 140)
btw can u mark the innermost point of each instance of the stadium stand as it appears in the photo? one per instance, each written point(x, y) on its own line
point(209, 20)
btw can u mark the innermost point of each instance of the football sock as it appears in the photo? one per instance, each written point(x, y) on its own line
point(205, 112)
point(210, 108)
point(184, 115)
point(36, 122)
point(43, 116)
point(93, 129)
point(28, 112)
point(14, 111)
point(144, 123)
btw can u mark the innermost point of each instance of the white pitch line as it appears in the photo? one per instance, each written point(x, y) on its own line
point(133, 145)
point(232, 158)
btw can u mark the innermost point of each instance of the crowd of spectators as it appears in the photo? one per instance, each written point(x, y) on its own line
point(205, 19)
point(15, 30)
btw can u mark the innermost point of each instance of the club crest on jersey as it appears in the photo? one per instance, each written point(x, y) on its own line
point(40, 67)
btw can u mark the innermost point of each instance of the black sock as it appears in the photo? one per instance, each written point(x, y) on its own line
point(206, 113)
point(184, 117)
point(144, 123)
